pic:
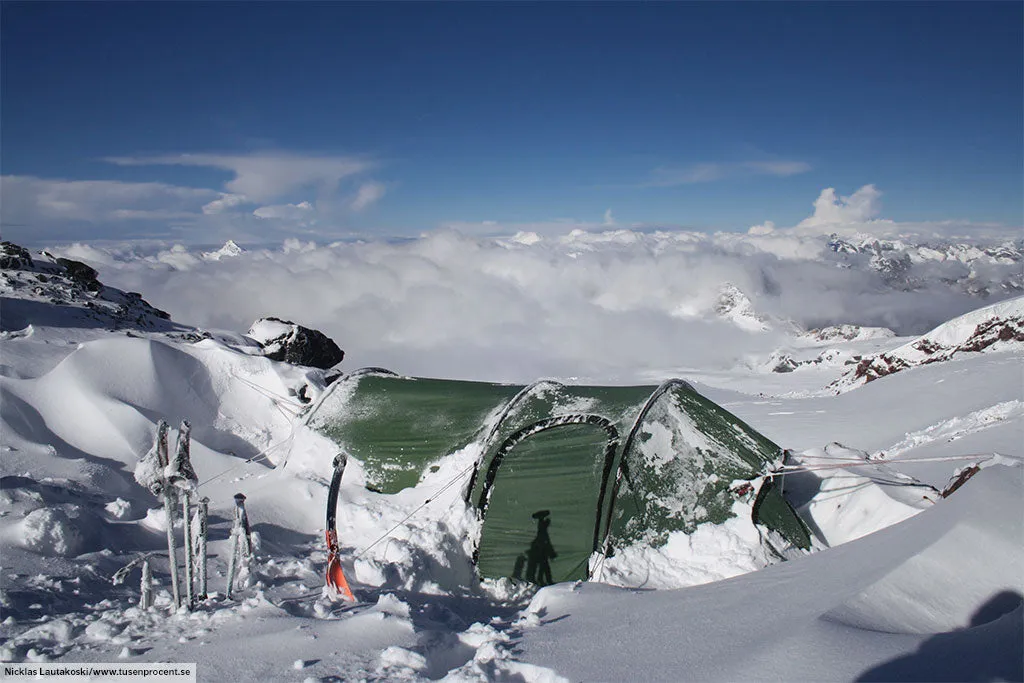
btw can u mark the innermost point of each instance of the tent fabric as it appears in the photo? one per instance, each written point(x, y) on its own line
point(534, 505)
point(557, 448)
point(679, 460)
point(397, 427)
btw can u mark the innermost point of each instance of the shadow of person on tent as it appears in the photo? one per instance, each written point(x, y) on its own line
point(539, 555)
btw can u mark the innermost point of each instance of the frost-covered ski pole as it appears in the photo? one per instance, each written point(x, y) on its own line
point(241, 541)
point(146, 587)
point(151, 472)
point(186, 516)
point(202, 527)
point(180, 475)
point(172, 549)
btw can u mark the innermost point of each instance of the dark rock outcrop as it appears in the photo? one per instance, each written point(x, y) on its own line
point(283, 340)
point(84, 275)
point(14, 257)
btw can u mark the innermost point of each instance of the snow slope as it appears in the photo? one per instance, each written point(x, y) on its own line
point(999, 327)
point(903, 584)
point(916, 601)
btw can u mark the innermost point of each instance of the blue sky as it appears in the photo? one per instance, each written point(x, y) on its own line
point(203, 120)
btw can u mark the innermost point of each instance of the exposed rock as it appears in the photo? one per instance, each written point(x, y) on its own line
point(81, 273)
point(14, 257)
point(283, 340)
point(781, 361)
point(784, 363)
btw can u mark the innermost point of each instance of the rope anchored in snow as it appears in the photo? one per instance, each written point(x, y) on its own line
point(422, 505)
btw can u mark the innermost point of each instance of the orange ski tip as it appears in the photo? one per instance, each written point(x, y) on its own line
point(336, 580)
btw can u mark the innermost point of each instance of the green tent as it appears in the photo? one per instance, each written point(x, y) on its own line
point(562, 472)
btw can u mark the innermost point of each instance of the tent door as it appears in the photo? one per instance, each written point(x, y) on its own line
point(541, 500)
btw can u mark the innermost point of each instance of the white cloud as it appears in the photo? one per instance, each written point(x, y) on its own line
point(832, 210)
point(224, 203)
point(609, 219)
point(368, 194)
point(856, 218)
point(556, 226)
point(36, 209)
point(777, 168)
point(288, 212)
point(29, 200)
point(670, 176)
point(263, 177)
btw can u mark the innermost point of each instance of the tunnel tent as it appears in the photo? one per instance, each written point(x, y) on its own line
point(562, 471)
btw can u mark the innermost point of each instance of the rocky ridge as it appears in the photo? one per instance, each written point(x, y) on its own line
point(999, 327)
point(26, 281)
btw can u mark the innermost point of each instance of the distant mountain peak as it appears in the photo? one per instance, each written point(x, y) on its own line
point(230, 249)
point(735, 306)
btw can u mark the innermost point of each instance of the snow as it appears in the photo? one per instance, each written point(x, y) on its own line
point(57, 531)
point(710, 553)
point(901, 583)
point(959, 330)
point(832, 615)
point(267, 329)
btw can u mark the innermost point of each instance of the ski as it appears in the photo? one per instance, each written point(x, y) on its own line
point(335, 577)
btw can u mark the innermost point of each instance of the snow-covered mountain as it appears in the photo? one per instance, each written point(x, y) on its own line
point(848, 333)
point(976, 269)
point(735, 306)
point(229, 250)
point(995, 328)
point(899, 572)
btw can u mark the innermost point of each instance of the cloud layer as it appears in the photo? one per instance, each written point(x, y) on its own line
point(617, 306)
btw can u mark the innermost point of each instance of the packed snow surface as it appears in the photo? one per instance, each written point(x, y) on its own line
point(902, 583)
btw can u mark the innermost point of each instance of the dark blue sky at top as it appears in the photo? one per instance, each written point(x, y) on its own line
point(528, 112)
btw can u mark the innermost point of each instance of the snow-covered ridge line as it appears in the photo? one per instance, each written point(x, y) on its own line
point(999, 327)
point(955, 428)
